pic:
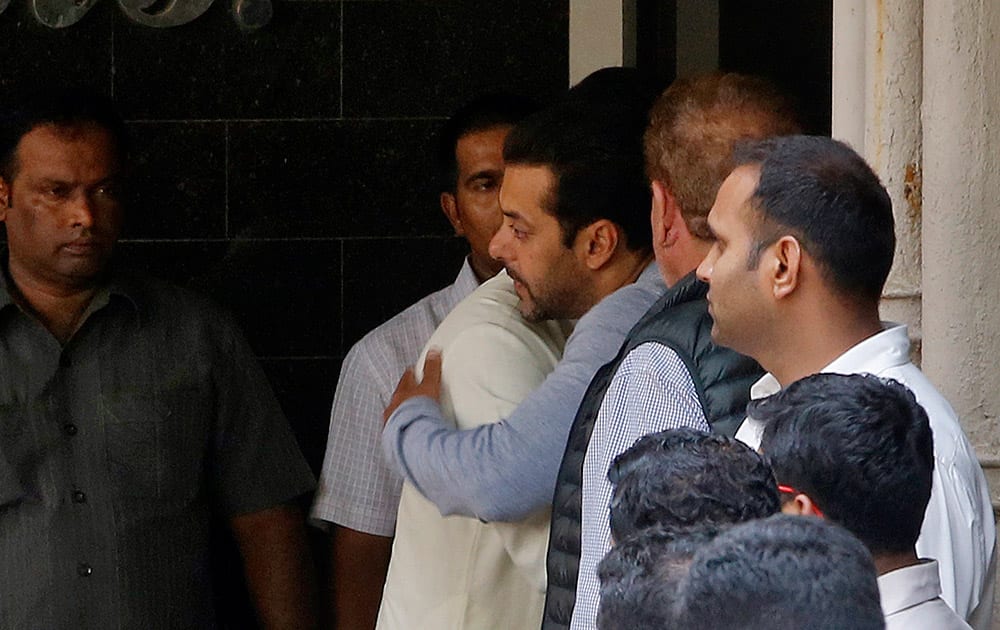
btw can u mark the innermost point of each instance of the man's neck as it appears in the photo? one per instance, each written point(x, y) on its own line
point(481, 270)
point(811, 341)
point(58, 308)
point(623, 270)
point(682, 258)
point(886, 562)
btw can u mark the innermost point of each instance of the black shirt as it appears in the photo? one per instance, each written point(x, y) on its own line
point(116, 448)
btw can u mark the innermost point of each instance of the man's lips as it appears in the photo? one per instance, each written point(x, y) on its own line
point(519, 285)
point(83, 247)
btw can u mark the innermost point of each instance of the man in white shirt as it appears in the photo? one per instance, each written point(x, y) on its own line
point(858, 450)
point(459, 572)
point(804, 243)
point(358, 493)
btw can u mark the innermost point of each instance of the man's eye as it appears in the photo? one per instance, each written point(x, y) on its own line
point(58, 192)
point(483, 185)
point(518, 234)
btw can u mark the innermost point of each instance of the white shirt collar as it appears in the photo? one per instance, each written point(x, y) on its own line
point(887, 349)
point(908, 587)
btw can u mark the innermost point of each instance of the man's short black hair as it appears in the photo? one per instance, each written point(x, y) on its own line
point(683, 478)
point(594, 150)
point(860, 447)
point(617, 86)
point(484, 112)
point(781, 572)
point(823, 193)
point(640, 574)
point(62, 107)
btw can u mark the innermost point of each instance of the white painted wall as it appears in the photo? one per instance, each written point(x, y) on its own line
point(961, 228)
point(596, 38)
point(877, 83)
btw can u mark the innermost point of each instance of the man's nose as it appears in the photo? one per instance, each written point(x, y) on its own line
point(82, 211)
point(498, 244)
point(704, 270)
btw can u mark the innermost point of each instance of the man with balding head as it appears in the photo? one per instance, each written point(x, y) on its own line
point(668, 374)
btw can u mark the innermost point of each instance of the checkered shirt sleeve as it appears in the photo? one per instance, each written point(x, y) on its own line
point(651, 391)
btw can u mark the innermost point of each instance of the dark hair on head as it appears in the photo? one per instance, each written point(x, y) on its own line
point(693, 127)
point(595, 154)
point(781, 572)
point(629, 88)
point(683, 478)
point(640, 574)
point(860, 447)
point(483, 113)
point(65, 107)
point(824, 194)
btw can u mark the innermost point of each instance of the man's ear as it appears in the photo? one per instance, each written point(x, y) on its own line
point(597, 243)
point(665, 215)
point(666, 219)
point(450, 208)
point(801, 505)
point(786, 265)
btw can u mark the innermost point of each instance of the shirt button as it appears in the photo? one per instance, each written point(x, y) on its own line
point(79, 497)
point(69, 429)
point(84, 570)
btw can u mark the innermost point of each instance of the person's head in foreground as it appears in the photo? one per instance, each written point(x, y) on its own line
point(782, 572)
point(684, 478)
point(640, 574)
point(855, 449)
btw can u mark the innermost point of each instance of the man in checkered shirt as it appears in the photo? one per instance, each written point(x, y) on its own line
point(668, 374)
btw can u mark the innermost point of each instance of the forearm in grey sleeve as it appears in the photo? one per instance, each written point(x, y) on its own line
point(497, 472)
point(505, 471)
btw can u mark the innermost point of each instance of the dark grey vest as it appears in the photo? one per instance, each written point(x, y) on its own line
point(722, 378)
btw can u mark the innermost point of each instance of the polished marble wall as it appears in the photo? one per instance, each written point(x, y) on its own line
point(287, 170)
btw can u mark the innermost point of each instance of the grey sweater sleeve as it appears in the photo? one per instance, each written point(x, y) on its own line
point(507, 470)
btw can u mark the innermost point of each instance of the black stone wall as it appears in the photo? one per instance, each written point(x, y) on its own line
point(287, 171)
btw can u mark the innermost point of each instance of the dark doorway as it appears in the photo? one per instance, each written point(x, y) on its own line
point(787, 41)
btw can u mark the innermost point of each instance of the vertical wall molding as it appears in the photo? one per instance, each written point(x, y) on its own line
point(961, 270)
point(601, 34)
point(877, 95)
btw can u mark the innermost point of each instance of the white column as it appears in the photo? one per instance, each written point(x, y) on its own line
point(849, 93)
point(961, 227)
point(596, 36)
point(877, 75)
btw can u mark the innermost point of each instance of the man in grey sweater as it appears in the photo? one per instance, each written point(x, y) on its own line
point(578, 246)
